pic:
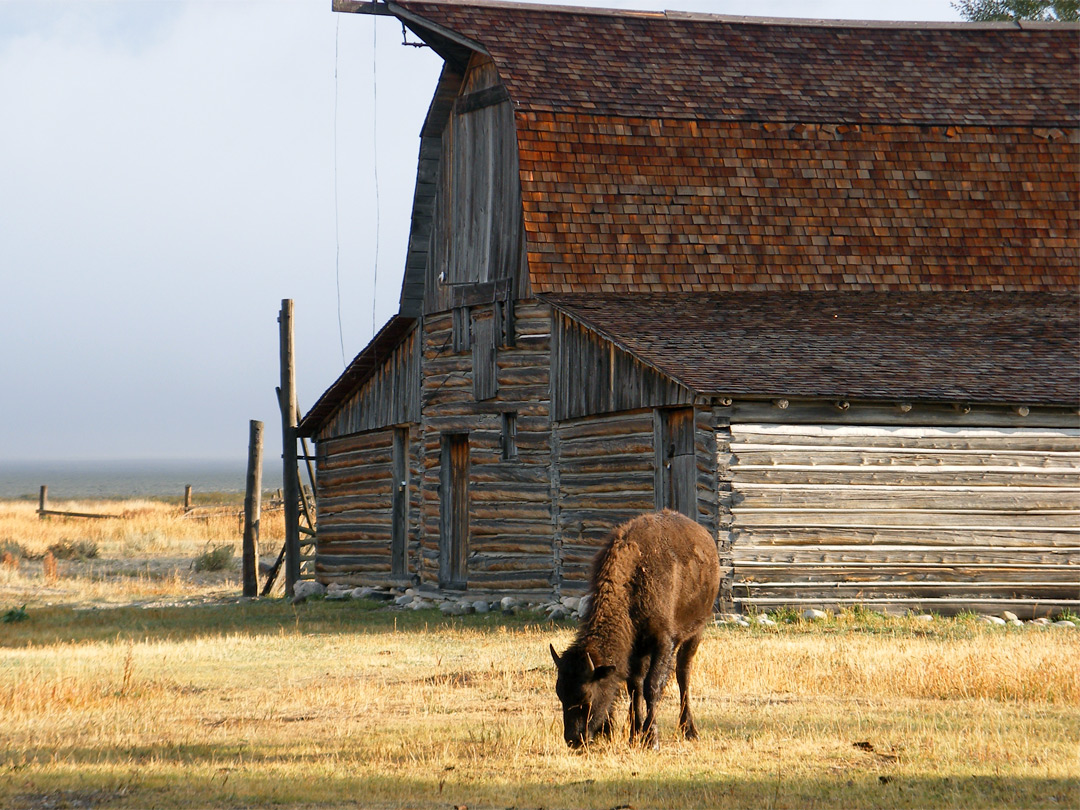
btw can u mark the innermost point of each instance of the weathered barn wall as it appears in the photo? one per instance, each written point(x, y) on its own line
point(359, 489)
point(509, 490)
point(937, 518)
point(608, 472)
point(476, 226)
point(606, 476)
point(391, 396)
point(591, 375)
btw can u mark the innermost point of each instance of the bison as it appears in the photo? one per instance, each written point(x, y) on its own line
point(653, 587)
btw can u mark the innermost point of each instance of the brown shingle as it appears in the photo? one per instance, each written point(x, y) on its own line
point(978, 210)
point(657, 65)
point(697, 153)
point(981, 347)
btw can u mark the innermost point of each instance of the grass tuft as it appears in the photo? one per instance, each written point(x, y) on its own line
point(74, 550)
point(15, 615)
point(217, 558)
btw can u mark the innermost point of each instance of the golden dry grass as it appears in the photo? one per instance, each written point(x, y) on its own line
point(145, 554)
point(335, 704)
point(112, 694)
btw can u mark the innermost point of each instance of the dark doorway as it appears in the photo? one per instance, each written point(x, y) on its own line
point(454, 511)
point(676, 464)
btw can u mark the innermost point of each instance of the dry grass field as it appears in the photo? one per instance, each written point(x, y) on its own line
point(149, 553)
point(167, 694)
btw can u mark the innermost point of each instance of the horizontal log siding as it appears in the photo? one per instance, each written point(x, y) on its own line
point(390, 397)
point(510, 543)
point(946, 519)
point(606, 477)
point(590, 375)
point(354, 507)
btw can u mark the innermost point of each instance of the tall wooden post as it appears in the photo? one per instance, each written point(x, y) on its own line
point(290, 477)
point(187, 498)
point(253, 510)
point(43, 501)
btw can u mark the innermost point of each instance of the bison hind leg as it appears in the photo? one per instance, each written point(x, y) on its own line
point(682, 674)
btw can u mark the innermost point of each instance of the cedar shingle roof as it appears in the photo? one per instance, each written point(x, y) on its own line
point(707, 67)
point(668, 152)
point(630, 205)
point(982, 347)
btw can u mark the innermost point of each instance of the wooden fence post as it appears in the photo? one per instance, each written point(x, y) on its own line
point(253, 509)
point(43, 501)
point(187, 498)
point(290, 477)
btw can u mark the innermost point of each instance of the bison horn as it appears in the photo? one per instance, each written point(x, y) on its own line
point(590, 667)
point(554, 655)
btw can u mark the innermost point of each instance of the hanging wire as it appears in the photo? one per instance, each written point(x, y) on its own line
point(337, 230)
point(375, 159)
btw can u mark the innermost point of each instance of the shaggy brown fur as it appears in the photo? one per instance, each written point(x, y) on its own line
point(653, 588)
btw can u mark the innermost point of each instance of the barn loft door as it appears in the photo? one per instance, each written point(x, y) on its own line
point(454, 511)
point(399, 562)
point(676, 467)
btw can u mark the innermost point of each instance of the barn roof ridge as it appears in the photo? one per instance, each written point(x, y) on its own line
point(719, 67)
point(748, 19)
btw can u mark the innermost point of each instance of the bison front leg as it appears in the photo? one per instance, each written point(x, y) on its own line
point(682, 675)
point(635, 686)
point(655, 680)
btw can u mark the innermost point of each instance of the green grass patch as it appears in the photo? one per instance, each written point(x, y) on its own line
point(215, 558)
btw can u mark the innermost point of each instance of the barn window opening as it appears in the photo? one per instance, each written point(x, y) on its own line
point(509, 436)
point(504, 320)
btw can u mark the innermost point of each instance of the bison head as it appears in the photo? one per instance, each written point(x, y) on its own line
point(587, 692)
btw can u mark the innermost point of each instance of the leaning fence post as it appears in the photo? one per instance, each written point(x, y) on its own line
point(253, 510)
point(43, 501)
point(187, 498)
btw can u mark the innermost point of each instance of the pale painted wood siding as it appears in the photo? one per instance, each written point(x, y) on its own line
point(355, 499)
point(509, 500)
point(933, 518)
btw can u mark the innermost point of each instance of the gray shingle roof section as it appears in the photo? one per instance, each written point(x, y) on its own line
point(980, 347)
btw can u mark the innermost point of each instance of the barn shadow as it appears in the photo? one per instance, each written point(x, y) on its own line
point(52, 625)
point(271, 774)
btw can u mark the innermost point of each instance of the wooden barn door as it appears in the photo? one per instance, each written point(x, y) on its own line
point(676, 465)
point(399, 532)
point(454, 511)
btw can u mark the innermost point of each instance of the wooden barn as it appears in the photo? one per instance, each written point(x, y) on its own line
point(814, 284)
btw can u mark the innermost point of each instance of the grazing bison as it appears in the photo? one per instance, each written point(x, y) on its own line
point(653, 587)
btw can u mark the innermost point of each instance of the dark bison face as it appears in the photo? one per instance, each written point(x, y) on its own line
point(587, 692)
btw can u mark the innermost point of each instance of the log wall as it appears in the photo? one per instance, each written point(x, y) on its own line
point(606, 476)
point(509, 500)
point(945, 519)
point(355, 483)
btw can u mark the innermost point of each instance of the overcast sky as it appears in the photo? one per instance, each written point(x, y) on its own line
point(168, 175)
